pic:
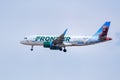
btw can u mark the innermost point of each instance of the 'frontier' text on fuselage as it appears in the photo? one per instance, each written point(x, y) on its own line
point(49, 38)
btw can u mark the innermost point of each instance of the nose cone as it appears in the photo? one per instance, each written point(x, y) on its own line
point(22, 42)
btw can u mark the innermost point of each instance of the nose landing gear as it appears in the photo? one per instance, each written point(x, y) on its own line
point(31, 48)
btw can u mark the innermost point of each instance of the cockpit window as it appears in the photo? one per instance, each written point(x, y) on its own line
point(25, 37)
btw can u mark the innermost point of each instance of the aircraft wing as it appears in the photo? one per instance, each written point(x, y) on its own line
point(60, 39)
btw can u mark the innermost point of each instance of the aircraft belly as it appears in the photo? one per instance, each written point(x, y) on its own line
point(78, 43)
point(35, 43)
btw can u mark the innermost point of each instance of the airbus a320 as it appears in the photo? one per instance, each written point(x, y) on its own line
point(62, 41)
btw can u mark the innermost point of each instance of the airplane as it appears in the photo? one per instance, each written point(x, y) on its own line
point(61, 42)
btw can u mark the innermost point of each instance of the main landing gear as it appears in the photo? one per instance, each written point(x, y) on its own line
point(64, 50)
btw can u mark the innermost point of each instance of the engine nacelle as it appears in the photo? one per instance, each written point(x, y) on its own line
point(47, 44)
point(50, 45)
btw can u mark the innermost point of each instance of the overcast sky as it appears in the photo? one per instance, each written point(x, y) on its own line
point(19, 18)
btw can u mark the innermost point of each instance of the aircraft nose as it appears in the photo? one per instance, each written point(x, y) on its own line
point(22, 42)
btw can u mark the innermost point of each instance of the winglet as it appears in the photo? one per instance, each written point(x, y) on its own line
point(65, 32)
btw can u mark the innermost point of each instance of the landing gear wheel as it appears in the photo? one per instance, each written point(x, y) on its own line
point(60, 49)
point(31, 49)
point(64, 50)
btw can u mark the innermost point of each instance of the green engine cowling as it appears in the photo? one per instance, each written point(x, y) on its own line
point(49, 45)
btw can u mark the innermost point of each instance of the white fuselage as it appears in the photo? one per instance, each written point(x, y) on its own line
point(38, 40)
point(62, 41)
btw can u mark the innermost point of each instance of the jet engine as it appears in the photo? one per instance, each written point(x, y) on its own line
point(50, 45)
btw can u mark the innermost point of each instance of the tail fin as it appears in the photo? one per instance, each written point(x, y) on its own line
point(102, 32)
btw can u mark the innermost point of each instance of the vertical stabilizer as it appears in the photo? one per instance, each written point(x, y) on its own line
point(102, 32)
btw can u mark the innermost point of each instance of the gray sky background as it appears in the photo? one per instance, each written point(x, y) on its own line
point(19, 18)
